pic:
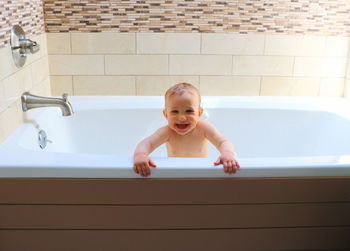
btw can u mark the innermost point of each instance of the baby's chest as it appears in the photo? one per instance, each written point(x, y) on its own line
point(195, 144)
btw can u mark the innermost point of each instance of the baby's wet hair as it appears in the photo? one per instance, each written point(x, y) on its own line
point(180, 89)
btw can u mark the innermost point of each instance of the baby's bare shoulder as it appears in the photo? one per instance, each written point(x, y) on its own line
point(165, 130)
point(205, 125)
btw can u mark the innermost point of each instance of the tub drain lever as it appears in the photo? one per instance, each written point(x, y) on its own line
point(42, 139)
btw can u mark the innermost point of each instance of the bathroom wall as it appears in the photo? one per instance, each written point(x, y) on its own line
point(280, 48)
point(34, 76)
point(219, 64)
point(141, 47)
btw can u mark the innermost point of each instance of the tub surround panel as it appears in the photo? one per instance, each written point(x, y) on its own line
point(221, 64)
point(157, 240)
point(193, 210)
point(162, 217)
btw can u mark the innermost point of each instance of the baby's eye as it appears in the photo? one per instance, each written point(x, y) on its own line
point(189, 111)
point(174, 111)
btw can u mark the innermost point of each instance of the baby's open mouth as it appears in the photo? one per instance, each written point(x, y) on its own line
point(182, 126)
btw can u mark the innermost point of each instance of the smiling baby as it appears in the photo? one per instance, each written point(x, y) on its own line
point(185, 135)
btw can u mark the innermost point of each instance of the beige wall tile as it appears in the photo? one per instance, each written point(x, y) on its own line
point(288, 86)
point(104, 85)
point(200, 65)
point(43, 88)
point(347, 87)
point(332, 87)
point(229, 86)
point(40, 70)
point(337, 46)
point(58, 43)
point(7, 66)
point(43, 45)
point(76, 64)
point(263, 65)
point(3, 103)
point(103, 43)
point(3, 134)
point(295, 45)
point(10, 120)
point(236, 44)
point(347, 80)
point(306, 87)
point(136, 64)
point(17, 83)
point(157, 85)
point(61, 84)
point(320, 67)
point(168, 43)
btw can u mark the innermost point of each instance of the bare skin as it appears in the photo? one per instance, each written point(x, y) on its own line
point(185, 136)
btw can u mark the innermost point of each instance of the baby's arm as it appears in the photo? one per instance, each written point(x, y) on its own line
point(145, 147)
point(225, 147)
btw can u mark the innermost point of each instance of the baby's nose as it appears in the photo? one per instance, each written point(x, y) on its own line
point(182, 117)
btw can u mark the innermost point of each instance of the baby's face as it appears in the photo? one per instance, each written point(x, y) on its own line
point(183, 112)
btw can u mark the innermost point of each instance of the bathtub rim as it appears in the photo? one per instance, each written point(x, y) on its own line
point(54, 164)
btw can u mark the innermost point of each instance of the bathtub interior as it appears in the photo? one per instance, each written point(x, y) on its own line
point(255, 132)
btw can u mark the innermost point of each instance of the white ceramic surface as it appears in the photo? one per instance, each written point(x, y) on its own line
point(273, 137)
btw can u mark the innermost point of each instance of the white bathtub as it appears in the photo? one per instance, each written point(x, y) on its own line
point(273, 137)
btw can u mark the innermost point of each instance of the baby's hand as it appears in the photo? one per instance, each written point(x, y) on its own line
point(228, 160)
point(142, 163)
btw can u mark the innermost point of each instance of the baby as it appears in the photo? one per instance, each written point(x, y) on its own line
point(185, 135)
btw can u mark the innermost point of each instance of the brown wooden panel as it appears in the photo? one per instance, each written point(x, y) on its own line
point(173, 216)
point(222, 240)
point(173, 191)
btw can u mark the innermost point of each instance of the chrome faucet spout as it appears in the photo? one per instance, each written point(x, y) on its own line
point(30, 101)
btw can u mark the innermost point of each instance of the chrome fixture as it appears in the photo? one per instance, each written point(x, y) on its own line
point(30, 101)
point(21, 46)
point(42, 139)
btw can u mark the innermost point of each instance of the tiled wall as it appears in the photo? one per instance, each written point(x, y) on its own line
point(330, 17)
point(111, 63)
point(251, 47)
point(34, 77)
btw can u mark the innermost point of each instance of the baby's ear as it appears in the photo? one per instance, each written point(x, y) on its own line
point(164, 113)
point(200, 111)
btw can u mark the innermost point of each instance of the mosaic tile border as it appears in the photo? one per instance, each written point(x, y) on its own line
point(27, 13)
point(318, 17)
point(326, 17)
